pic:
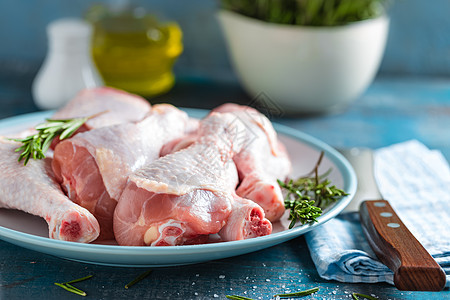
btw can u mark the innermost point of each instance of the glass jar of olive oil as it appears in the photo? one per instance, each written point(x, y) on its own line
point(133, 51)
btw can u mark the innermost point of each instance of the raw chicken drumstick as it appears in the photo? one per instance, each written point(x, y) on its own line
point(244, 221)
point(119, 107)
point(110, 107)
point(262, 160)
point(93, 166)
point(32, 189)
point(184, 196)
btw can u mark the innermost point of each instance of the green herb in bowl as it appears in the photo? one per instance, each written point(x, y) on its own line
point(307, 12)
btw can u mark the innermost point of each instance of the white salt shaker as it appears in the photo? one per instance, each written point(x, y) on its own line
point(68, 66)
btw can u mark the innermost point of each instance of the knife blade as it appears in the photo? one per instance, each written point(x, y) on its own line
point(414, 268)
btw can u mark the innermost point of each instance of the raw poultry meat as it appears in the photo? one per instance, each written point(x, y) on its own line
point(184, 196)
point(109, 106)
point(119, 107)
point(262, 160)
point(183, 141)
point(246, 220)
point(32, 189)
point(93, 166)
point(160, 179)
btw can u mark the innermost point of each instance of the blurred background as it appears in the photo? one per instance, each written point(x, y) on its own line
point(418, 43)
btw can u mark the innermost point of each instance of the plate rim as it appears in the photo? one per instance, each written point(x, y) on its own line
point(344, 167)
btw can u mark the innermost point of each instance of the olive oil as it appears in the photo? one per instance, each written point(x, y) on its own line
point(134, 52)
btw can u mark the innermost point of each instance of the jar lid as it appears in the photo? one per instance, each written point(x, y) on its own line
point(69, 28)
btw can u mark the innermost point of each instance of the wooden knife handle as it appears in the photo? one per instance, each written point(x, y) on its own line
point(414, 268)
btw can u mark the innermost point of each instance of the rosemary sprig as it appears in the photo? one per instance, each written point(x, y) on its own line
point(137, 279)
point(301, 207)
point(308, 195)
point(235, 297)
point(355, 296)
point(298, 294)
point(70, 288)
point(79, 279)
point(35, 146)
point(290, 295)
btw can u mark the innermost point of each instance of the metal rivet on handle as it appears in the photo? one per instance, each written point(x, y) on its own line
point(379, 204)
point(393, 225)
point(386, 214)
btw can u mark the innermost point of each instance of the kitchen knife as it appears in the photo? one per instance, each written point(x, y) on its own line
point(414, 268)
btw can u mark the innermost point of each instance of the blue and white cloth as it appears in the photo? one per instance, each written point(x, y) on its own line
point(416, 182)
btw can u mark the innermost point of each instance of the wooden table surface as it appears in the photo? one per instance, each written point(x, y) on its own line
point(392, 110)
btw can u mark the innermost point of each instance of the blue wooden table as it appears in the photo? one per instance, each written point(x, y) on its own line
point(392, 110)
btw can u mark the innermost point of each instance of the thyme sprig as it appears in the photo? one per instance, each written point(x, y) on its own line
point(35, 146)
point(307, 195)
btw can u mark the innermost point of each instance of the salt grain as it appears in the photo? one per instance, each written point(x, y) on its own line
point(221, 276)
point(267, 280)
point(216, 296)
point(196, 294)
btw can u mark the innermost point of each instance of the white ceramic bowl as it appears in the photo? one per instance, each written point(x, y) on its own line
point(305, 69)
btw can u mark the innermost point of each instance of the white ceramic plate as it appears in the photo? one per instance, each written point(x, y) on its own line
point(31, 232)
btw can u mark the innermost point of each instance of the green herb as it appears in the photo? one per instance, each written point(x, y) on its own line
point(355, 296)
point(79, 279)
point(291, 295)
point(301, 208)
point(35, 146)
point(308, 195)
point(298, 294)
point(69, 287)
point(307, 12)
point(137, 279)
point(234, 297)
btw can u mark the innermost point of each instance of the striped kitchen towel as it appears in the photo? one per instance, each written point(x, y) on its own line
point(416, 182)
